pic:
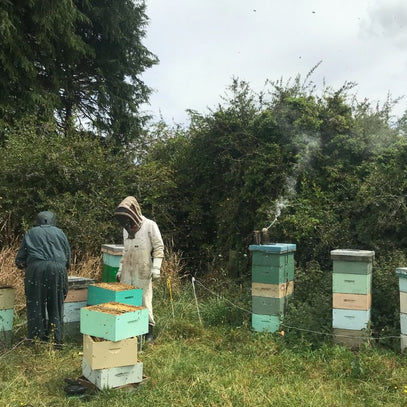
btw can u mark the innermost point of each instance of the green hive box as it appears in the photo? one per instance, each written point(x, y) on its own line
point(112, 254)
point(269, 305)
point(6, 319)
point(348, 261)
point(114, 321)
point(352, 283)
point(116, 292)
point(273, 263)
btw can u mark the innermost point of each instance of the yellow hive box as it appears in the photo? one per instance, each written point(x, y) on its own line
point(103, 354)
point(272, 290)
point(352, 301)
point(7, 295)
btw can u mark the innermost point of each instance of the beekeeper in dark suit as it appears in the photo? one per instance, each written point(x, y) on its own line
point(45, 256)
point(143, 253)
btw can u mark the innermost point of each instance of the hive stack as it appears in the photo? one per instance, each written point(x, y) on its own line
point(110, 329)
point(402, 275)
point(74, 301)
point(352, 299)
point(272, 283)
point(112, 254)
point(7, 296)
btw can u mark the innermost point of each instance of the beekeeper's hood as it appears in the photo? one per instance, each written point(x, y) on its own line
point(46, 218)
point(128, 213)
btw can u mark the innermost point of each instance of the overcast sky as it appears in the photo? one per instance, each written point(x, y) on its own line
point(203, 44)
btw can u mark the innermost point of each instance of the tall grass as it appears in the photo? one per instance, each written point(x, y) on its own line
point(219, 362)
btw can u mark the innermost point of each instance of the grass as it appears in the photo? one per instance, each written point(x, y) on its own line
point(220, 362)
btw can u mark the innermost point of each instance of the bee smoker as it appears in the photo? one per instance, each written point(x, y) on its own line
point(261, 236)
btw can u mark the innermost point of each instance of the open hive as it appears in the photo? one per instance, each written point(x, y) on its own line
point(114, 321)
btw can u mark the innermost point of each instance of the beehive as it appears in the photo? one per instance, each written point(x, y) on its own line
point(114, 321)
point(113, 377)
point(114, 292)
point(272, 283)
point(351, 303)
point(112, 254)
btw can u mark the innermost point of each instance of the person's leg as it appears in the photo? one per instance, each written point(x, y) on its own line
point(35, 293)
point(55, 282)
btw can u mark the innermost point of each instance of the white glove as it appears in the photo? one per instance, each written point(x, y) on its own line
point(118, 276)
point(155, 274)
point(155, 271)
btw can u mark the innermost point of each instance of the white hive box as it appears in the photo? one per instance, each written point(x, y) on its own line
point(114, 377)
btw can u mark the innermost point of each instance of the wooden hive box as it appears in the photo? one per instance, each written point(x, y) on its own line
point(78, 282)
point(272, 290)
point(7, 296)
point(350, 319)
point(102, 354)
point(114, 292)
point(114, 321)
point(350, 338)
point(265, 323)
point(352, 301)
point(77, 295)
point(113, 377)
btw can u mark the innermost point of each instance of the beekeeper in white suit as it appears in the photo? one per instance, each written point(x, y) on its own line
point(143, 253)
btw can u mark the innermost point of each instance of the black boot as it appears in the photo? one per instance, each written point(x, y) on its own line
point(149, 335)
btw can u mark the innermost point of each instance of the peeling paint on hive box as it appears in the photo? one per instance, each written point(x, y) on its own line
point(114, 321)
point(114, 377)
point(114, 292)
point(272, 290)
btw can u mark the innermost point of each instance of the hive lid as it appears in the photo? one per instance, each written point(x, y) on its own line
point(352, 255)
point(113, 248)
point(79, 282)
point(273, 247)
point(401, 272)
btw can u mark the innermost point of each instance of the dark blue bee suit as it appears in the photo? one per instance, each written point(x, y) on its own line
point(45, 255)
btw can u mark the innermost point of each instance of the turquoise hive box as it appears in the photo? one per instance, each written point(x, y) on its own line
point(114, 321)
point(265, 323)
point(114, 292)
point(6, 319)
point(273, 263)
point(402, 275)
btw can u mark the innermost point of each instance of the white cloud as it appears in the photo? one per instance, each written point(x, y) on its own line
point(202, 44)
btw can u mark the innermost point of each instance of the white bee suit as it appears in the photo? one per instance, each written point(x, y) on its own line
point(141, 257)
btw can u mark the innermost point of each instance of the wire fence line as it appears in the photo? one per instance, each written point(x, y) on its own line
point(296, 327)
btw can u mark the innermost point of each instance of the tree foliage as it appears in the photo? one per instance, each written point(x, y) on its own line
point(80, 59)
